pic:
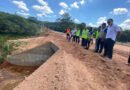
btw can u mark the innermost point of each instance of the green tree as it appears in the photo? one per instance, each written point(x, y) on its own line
point(65, 21)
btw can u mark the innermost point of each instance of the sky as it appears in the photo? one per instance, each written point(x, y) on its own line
point(91, 12)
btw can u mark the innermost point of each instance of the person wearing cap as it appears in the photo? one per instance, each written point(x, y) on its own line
point(101, 39)
point(112, 32)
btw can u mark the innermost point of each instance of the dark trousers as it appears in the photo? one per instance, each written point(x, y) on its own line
point(108, 48)
point(84, 42)
point(88, 43)
point(129, 59)
point(77, 39)
point(68, 37)
point(99, 45)
point(73, 38)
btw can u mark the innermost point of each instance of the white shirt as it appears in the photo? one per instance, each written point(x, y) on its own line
point(112, 32)
point(73, 32)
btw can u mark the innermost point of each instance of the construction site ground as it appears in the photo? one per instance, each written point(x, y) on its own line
point(70, 68)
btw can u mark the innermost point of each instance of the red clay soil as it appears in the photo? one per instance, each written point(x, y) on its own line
point(12, 75)
point(74, 68)
point(71, 68)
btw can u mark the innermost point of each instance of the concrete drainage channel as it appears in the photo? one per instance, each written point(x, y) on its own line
point(35, 56)
point(23, 64)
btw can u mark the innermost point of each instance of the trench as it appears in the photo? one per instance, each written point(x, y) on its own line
point(17, 67)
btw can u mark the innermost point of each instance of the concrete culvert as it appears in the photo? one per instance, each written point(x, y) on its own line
point(33, 57)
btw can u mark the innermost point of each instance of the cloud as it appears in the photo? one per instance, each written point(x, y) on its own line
point(82, 2)
point(21, 5)
point(22, 13)
point(75, 5)
point(62, 12)
point(76, 21)
point(42, 2)
point(92, 25)
point(101, 20)
point(125, 24)
point(44, 8)
point(40, 14)
point(63, 5)
point(119, 11)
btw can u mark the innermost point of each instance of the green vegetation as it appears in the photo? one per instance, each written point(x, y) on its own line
point(15, 27)
point(7, 48)
point(125, 36)
point(14, 24)
point(62, 23)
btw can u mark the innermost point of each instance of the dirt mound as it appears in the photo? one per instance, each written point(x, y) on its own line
point(78, 69)
point(74, 68)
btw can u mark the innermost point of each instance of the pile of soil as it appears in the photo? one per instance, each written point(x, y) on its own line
point(75, 68)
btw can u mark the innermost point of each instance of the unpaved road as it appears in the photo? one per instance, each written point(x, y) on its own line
point(75, 68)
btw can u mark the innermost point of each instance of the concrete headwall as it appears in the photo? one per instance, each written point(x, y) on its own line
point(33, 57)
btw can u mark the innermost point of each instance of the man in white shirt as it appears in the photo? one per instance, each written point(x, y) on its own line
point(112, 32)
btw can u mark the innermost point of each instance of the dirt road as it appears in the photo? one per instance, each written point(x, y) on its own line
point(79, 69)
point(74, 68)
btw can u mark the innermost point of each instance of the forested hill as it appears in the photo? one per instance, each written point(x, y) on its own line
point(14, 24)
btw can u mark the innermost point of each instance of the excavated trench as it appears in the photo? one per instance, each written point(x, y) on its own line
point(17, 67)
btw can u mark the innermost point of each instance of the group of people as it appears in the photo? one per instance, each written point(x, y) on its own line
point(105, 38)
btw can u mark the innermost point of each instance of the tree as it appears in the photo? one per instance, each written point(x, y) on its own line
point(65, 22)
point(81, 26)
point(15, 24)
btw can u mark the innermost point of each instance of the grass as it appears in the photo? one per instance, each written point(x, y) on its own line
point(6, 48)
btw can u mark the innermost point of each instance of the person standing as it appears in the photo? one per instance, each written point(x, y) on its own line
point(68, 34)
point(97, 37)
point(77, 36)
point(84, 37)
point(112, 32)
point(73, 35)
point(101, 39)
point(89, 37)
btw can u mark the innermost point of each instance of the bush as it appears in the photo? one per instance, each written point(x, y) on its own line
point(15, 24)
